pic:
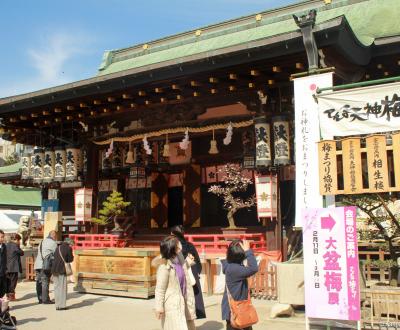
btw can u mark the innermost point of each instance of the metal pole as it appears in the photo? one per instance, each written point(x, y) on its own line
point(359, 84)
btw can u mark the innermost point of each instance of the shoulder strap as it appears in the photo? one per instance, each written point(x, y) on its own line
point(41, 254)
point(59, 251)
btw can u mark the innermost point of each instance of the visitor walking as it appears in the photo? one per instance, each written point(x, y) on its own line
point(174, 297)
point(46, 250)
point(3, 265)
point(189, 248)
point(236, 275)
point(62, 256)
point(14, 253)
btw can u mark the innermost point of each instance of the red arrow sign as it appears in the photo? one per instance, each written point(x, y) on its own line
point(327, 222)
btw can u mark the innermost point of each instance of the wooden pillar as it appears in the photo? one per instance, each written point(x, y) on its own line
point(191, 196)
point(92, 178)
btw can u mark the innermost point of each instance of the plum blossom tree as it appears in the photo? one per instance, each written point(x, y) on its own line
point(234, 182)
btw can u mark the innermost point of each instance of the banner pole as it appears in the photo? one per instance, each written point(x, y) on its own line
point(307, 323)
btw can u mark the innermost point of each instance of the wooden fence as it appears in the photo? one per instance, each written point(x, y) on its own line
point(380, 308)
point(263, 285)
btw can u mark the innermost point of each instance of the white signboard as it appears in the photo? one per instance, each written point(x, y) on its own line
point(360, 110)
point(307, 136)
point(331, 279)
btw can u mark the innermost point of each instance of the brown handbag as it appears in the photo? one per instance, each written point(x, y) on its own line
point(243, 313)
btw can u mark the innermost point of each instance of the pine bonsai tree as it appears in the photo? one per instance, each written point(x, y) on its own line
point(234, 182)
point(113, 207)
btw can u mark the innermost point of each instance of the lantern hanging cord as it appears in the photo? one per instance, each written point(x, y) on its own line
point(176, 130)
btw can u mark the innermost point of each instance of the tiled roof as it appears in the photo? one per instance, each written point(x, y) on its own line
point(369, 20)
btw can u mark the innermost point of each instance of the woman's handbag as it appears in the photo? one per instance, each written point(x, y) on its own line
point(243, 313)
point(68, 268)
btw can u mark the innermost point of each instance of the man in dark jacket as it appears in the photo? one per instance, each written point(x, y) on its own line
point(3, 265)
point(14, 266)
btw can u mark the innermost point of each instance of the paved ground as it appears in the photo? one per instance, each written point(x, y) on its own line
point(103, 313)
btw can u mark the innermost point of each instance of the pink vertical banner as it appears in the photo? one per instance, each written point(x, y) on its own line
point(331, 263)
point(353, 285)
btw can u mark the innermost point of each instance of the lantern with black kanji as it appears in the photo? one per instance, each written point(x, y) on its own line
point(72, 163)
point(118, 157)
point(280, 126)
point(38, 165)
point(60, 160)
point(32, 165)
point(48, 165)
point(105, 161)
point(263, 142)
point(25, 166)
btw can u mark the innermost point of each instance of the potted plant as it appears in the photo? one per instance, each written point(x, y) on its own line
point(234, 183)
point(113, 207)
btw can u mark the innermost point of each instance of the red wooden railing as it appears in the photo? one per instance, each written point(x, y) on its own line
point(207, 243)
point(214, 243)
point(95, 241)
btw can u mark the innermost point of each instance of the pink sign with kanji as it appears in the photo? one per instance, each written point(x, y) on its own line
point(331, 270)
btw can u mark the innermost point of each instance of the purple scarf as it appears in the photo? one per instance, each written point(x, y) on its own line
point(181, 275)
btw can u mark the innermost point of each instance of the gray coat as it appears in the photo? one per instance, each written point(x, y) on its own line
point(48, 245)
point(14, 254)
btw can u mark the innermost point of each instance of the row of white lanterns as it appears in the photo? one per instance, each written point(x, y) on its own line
point(48, 165)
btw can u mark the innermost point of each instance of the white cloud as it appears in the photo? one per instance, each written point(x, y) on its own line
point(51, 59)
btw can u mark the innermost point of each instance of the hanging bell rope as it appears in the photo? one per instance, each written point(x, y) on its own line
point(175, 131)
point(213, 145)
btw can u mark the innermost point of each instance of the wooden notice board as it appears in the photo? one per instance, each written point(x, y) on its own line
point(327, 167)
point(378, 178)
point(352, 168)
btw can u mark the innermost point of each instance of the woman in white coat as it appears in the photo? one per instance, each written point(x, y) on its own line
point(174, 297)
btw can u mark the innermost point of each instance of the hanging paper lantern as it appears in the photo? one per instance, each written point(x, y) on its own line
point(60, 160)
point(263, 142)
point(280, 126)
point(85, 161)
point(32, 166)
point(105, 161)
point(72, 163)
point(38, 165)
point(48, 166)
point(26, 166)
point(117, 158)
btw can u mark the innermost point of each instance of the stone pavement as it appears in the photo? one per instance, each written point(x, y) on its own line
point(87, 311)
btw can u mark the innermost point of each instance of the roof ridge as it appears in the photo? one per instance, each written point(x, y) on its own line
point(215, 30)
point(232, 23)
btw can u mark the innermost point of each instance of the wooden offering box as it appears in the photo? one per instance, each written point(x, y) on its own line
point(123, 272)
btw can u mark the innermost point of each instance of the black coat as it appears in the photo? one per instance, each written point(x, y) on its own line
point(3, 259)
point(236, 280)
point(14, 254)
point(187, 248)
point(58, 264)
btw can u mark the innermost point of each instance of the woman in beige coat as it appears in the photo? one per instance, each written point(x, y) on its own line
point(174, 297)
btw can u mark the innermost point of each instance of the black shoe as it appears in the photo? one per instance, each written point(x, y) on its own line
point(40, 302)
point(50, 302)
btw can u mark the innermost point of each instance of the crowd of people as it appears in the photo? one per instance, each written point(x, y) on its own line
point(178, 294)
point(50, 261)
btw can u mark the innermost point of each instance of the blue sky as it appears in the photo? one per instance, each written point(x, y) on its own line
point(45, 43)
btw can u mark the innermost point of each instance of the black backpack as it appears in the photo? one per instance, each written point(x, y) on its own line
point(47, 261)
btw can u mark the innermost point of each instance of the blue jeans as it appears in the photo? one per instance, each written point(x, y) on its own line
point(42, 285)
